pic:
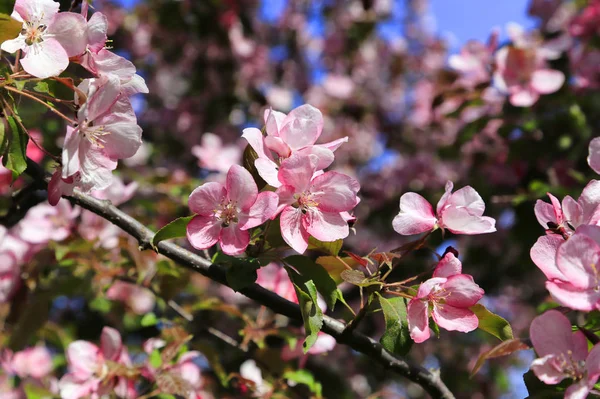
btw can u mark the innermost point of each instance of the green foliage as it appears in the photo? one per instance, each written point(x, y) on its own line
point(492, 323)
point(241, 272)
point(15, 157)
point(396, 337)
point(312, 315)
point(155, 359)
point(315, 272)
point(330, 248)
point(175, 229)
point(305, 377)
point(148, 320)
point(358, 278)
point(9, 28)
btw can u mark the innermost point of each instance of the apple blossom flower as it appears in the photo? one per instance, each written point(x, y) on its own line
point(7, 391)
point(139, 299)
point(44, 223)
point(447, 296)
point(35, 362)
point(313, 205)
point(48, 38)
point(573, 279)
point(214, 156)
point(563, 354)
point(107, 130)
point(251, 372)
point(225, 213)
point(565, 217)
point(90, 368)
point(473, 63)
point(13, 253)
point(523, 74)
point(295, 132)
point(460, 212)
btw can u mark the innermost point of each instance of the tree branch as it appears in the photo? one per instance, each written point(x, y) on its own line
point(430, 381)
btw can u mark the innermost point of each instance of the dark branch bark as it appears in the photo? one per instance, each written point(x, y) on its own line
point(430, 381)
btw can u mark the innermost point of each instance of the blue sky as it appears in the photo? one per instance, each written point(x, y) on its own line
point(473, 19)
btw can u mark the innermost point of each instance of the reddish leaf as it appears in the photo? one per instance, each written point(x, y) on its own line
point(503, 349)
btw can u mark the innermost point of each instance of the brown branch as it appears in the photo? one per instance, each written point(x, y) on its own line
point(430, 381)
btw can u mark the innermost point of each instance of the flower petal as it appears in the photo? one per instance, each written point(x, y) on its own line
point(455, 319)
point(416, 215)
point(264, 208)
point(577, 258)
point(206, 198)
point(546, 81)
point(566, 294)
point(45, 59)
point(241, 187)
point(544, 368)
point(464, 292)
point(83, 358)
point(418, 320)
point(203, 231)
point(255, 139)
point(111, 343)
point(461, 221)
point(302, 127)
point(268, 170)
point(448, 266)
point(233, 240)
point(297, 171)
point(70, 30)
point(335, 192)
point(123, 140)
point(325, 226)
point(543, 254)
point(292, 230)
point(594, 148)
point(551, 334)
point(13, 45)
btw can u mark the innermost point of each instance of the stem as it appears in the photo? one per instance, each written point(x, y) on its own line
point(16, 66)
point(430, 381)
point(57, 112)
point(16, 117)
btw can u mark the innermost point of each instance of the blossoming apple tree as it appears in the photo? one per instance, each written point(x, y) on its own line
point(231, 283)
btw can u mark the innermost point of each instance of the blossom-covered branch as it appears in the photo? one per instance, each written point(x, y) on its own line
point(430, 381)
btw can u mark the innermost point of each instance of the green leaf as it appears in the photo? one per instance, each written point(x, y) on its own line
point(356, 277)
point(155, 359)
point(34, 391)
point(396, 337)
point(15, 158)
point(330, 248)
point(322, 280)
point(241, 272)
point(175, 229)
point(148, 320)
point(100, 304)
point(43, 87)
point(312, 315)
point(305, 377)
point(3, 137)
point(9, 28)
point(492, 323)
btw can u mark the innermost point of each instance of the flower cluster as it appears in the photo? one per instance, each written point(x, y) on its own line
point(105, 129)
point(309, 201)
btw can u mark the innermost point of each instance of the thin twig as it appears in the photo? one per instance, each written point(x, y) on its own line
point(57, 112)
point(430, 381)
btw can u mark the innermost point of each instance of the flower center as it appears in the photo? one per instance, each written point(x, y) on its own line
point(93, 133)
point(439, 295)
point(570, 367)
point(34, 32)
point(227, 213)
point(305, 201)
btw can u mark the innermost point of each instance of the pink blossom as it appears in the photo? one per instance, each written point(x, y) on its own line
point(460, 212)
point(298, 132)
point(214, 156)
point(107, 130)
point(35, 362)
point(139, 299)
point(45, 223)
point(570, 267)
point(324, 343)
point(565, 217)
point(274, 277)
point(7, 391)
point(523, 74)
point(313, 205)
point(48, 38)
point(225, 213)
point(594, 155)
point(89, 368)
point(447, 296)
point(563, 353)
point(474, 61)
point(13, 253)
